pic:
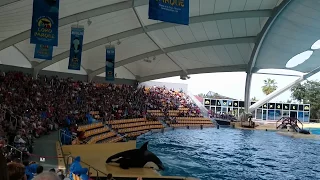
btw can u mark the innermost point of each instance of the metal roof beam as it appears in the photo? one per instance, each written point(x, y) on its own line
point(7, 2)
point(255, 52)
point(155, 42)
point(178, 48)
point(233, 68)
point(262, 35)
point(153, 27)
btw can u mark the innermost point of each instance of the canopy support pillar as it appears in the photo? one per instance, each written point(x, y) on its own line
point(247, 92)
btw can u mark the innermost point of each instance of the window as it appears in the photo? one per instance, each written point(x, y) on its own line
point(278, 114)
point(259, 114)
point(306, 116)
point(286, 114)
point(300, 115)
point(271, 114)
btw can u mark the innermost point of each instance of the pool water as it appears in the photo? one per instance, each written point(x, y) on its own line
point(315, 131)
point(227, 153)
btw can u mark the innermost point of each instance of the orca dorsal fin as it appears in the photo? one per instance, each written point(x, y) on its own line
point(144, 147)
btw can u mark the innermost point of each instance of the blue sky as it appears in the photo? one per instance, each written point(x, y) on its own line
point(232, 84)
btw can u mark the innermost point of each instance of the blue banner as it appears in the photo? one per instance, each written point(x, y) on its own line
point(43, 52)
point(76, 48)
point(45, 22)
point(110, 56)
point(173, 11)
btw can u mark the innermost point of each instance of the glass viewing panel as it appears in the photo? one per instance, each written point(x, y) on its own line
point(268, 111)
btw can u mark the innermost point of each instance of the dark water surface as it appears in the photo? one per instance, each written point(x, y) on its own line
point(235, 154)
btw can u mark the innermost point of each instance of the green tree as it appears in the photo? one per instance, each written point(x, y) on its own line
point(254, 99)
point(269, 86)
point(308, 92)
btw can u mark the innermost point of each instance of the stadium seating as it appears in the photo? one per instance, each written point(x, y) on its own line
point(175, 107)
point(190, 121)
point(134, 127)
point(90, 126)
point(137, 133)
point(98, 133)
point(101, 137)
point(124, 121)
point(36, 106)
point(156, 113)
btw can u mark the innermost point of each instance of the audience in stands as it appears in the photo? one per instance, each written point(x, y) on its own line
point(169, 99)
point(30, 108)
point(223, 116)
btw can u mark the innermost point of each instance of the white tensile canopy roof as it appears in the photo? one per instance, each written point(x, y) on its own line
point(223, 36)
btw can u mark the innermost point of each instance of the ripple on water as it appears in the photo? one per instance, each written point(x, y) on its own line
point(235, 154)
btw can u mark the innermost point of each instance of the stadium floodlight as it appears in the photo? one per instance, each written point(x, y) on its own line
point(299, 59)
point(316, 45)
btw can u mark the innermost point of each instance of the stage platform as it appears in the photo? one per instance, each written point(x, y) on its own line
point(96, 155)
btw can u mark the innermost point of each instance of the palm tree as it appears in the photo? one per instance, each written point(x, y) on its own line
point(270, 85)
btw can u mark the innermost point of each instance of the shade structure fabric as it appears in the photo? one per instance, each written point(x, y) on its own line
point(221, 37)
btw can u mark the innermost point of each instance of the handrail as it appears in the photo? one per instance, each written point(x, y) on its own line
point(16, 149)
point(289, 119)
point(280, 120)
point(3, 110)
point(98, 171)
point(16, 124)
point(63, 132)
point(89, 167)
point(12, 115)
point(59, 139)
point(299, 122)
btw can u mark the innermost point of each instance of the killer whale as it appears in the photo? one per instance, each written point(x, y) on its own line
point(136, 158)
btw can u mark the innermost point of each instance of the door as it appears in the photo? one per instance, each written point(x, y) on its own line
point(264, 115)
point(293, 114)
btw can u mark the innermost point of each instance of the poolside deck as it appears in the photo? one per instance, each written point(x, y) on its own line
point(97, 154)
point(298, 135)
point(271, 126)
